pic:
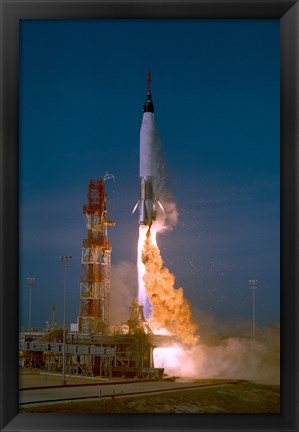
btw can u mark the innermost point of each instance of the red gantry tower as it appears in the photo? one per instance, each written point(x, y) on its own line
point(95, 262)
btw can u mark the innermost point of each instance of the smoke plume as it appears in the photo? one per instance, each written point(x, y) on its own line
point(167, 218)
point(236, 357)
point(170, 310)
point(123, 290)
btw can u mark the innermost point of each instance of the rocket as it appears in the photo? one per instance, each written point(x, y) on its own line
point(149, 146)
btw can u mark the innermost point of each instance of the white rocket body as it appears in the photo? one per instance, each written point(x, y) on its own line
point(147, 169)
point(148, 202)
point(148, 164)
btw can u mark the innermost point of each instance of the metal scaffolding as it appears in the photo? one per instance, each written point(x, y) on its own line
point(95, 262)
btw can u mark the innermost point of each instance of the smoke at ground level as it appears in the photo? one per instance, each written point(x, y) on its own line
point(236, 357)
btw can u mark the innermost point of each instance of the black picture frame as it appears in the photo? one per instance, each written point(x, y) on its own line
point(11, 13)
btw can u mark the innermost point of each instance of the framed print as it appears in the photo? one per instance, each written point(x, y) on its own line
point(149, 215)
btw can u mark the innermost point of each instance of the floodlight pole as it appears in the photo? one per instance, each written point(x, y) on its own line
point(253, 285)
point(65, 260)
point(30, 281)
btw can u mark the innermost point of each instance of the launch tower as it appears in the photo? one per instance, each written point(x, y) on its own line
point(95, 262)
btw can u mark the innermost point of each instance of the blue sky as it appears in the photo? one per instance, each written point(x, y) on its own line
point(215, 86)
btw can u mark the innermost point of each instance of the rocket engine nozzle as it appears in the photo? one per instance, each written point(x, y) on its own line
point(147, 211)
point(147, 203)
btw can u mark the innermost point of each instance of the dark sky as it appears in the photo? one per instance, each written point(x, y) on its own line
point(215, 86)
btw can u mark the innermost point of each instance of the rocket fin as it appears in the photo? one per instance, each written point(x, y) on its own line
point(134, 209)
point(161, 207)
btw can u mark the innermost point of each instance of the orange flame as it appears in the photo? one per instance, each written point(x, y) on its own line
point(170, 310)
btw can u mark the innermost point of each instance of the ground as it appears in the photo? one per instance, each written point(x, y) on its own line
point(247, 397)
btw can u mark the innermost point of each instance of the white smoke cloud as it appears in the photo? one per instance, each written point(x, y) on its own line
point(168, 218)
point(233, 358)
point(123, 290)
point(212, 330)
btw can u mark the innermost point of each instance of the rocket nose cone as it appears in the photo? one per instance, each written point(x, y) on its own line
point(148, 105)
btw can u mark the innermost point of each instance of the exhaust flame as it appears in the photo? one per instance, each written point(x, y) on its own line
point(170, 310)
point(142, 295)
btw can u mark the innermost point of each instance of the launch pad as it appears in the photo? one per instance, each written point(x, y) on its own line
point(106, 356)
